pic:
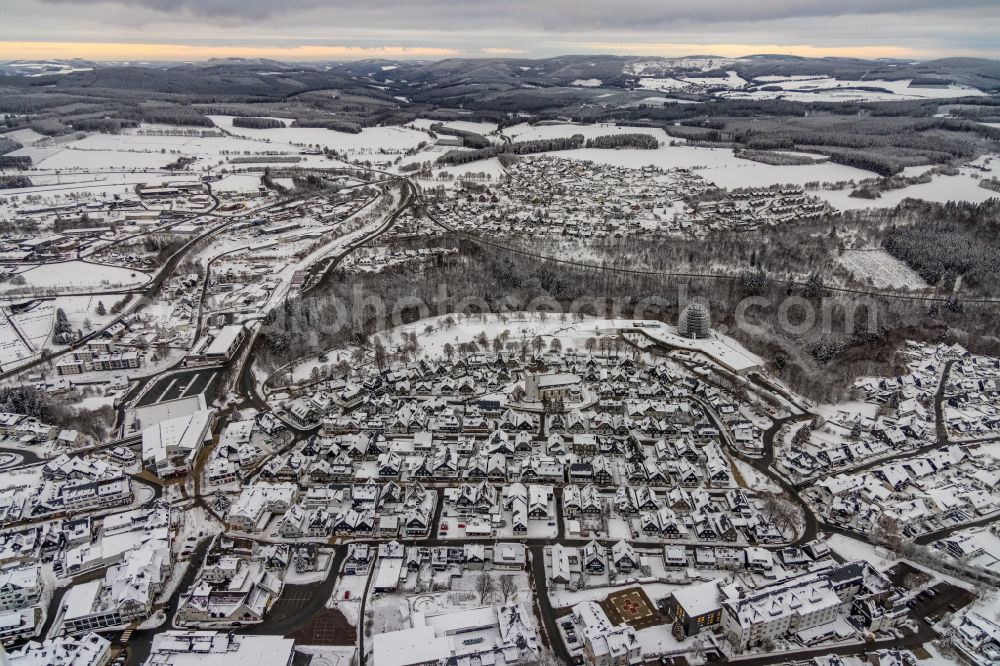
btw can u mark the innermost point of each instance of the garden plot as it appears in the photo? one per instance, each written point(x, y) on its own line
point(81, 275)
point(880, 269)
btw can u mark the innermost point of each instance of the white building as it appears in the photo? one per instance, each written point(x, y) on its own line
point(566, 386)
point(20, 587)
point(126, 592)
point(89, 650)
point(605, 644)
point(222, 346)
point(251, 511)
point(977, 638)
point(189, 648)
point(503, 635)
point(762, 615)
point(170, 447)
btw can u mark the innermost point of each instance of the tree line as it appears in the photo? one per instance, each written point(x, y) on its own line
point(629, 140)
point(456, 157)
point(258, 122)
point(940, 251)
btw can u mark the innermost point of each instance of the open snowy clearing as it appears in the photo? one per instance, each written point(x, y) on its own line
point(74, 158)
point(80, 309)
point(823, 88)
point(732, 80)
point(369, 140)
point(754, 479)
point(963, 187)
point(478, 169)
point(479, 127)
point(75, 275)
point(880, 269)
point(240, 183)
point(526, 132)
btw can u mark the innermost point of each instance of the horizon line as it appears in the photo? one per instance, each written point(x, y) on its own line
point(97, 52)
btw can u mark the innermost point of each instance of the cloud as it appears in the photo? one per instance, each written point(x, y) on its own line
point(551, 14)
point(134, 51)
point(498, 51)
point(673, 50)
point(863, 28)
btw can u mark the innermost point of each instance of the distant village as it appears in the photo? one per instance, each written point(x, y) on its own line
point(550, 196)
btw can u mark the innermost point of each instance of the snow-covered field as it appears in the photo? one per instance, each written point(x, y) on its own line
point(328, 655)
point(479, 127)
point(76, 275)
point(75, 158)
point(490, 167)
point(880, 269)
point(23, 335)
point(79, 309)
point(240, 183)
point(826, 89)
point(88, 185)
point(370, 140)
point(526, 132)
point(808, 88)
point(754, 479)
point(732, 80)
point(518, 325)
point(963, 187)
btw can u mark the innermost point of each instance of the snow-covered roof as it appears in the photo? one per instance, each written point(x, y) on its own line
point(698, 599)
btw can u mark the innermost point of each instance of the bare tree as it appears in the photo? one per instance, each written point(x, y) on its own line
point(507, 587)
point(545, 657)
point(380, 353)
point(537, 344)
point(486, 586)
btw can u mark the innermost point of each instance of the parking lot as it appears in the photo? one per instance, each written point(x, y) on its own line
point(942, 599)
point(328, 627)
point(181, 385)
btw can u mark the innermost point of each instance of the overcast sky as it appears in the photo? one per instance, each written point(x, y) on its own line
point(354, 29)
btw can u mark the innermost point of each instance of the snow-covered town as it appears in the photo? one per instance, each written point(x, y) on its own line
point(697, 366)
